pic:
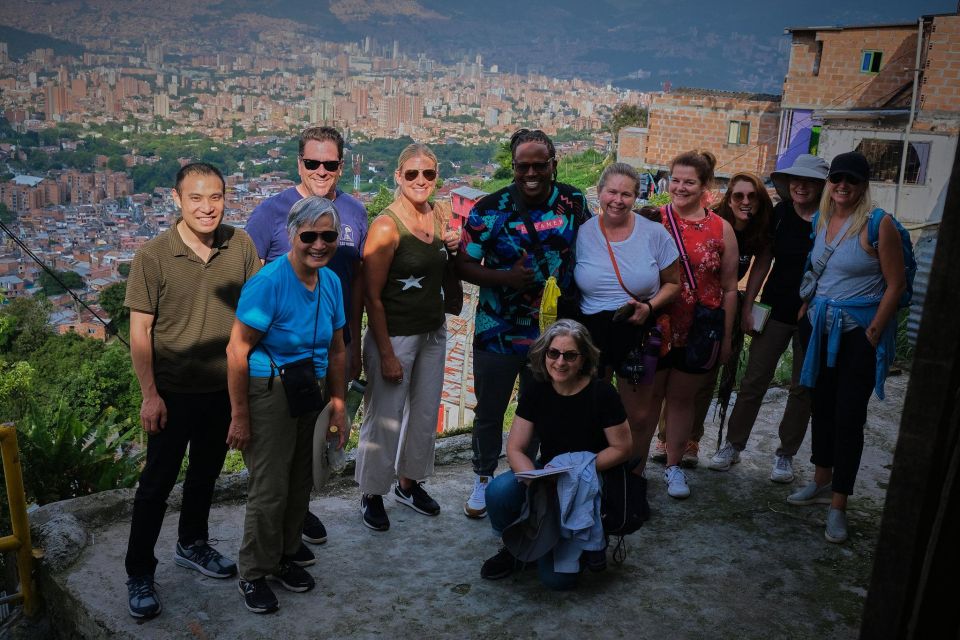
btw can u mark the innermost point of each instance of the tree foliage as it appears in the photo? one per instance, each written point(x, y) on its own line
point(626, 115)
point(380, 202)
point(51, 287)
point(6, 215)
point(111, 299)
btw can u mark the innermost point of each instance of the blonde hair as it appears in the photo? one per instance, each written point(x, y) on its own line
point(412, 151)
point(860, 212)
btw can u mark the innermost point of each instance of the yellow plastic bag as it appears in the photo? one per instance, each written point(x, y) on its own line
point(548, 303)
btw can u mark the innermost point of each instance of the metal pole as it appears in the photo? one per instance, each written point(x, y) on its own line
point(18, 516)
point(906, 133)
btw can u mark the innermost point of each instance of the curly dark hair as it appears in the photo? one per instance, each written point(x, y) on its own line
point(530, 135)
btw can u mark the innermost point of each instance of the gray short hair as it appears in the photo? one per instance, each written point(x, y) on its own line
point(307, 211)
point(619, 169)
point(580, 335)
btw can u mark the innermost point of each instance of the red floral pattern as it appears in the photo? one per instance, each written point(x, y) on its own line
point(703, 240)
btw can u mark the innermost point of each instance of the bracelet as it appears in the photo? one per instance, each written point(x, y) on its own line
point(649, 306)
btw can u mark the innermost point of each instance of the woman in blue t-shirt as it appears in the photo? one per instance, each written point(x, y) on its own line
point(289, 314)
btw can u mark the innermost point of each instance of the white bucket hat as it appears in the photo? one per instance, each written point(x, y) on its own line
point(805, 166)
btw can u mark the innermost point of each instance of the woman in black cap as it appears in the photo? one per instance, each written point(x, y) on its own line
point(852, 303)
point(800, 187)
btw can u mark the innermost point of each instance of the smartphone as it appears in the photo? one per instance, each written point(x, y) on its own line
point(624, 312)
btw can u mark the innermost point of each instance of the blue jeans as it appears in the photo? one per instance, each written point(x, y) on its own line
point(505, 499)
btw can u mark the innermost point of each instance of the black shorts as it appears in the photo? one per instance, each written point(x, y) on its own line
point(676, 359)
point(614, 339)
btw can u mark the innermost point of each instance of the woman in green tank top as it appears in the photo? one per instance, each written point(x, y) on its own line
point(404, 260)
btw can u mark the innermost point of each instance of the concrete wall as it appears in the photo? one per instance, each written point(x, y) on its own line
point(840, 84)
point(918, 203)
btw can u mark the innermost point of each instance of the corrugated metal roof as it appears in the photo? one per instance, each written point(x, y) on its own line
point(923, 248)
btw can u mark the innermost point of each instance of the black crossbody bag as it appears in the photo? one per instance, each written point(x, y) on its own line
point(299, 377)
point(706, 332)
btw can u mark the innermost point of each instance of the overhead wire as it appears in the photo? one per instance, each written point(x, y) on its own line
point(108, 324)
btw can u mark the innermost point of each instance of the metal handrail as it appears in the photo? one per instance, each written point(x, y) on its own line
point(20, 540)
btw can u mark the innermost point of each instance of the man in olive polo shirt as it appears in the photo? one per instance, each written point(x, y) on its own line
point(182, 293)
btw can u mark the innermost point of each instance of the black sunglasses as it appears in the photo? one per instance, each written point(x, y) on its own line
point(411, 174)
point(309, 237)
point(851, 180)
point(568, 356)
point(312, 165)
point(539, 167)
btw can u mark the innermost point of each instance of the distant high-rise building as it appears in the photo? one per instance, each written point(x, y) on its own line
point(396, 49)
point(56, 104)
point(161, 105)
point(4, 56)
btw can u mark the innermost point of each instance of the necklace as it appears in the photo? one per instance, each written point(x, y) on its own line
point(414, 220)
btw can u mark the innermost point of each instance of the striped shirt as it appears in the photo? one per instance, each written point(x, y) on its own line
point(193, 304)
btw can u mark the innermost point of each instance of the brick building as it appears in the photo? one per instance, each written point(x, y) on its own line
point(855, 88)
point(739, 128)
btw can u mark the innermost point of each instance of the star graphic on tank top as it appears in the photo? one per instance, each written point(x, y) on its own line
point(411, 282)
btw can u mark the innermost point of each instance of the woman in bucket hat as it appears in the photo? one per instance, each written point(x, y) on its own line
point(852, 316)
point(800, 187)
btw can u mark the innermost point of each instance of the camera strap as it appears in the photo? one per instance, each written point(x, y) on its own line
point(313, 344)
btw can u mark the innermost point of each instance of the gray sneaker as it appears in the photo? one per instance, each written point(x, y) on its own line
point(836, 530)
point(725, 458)
point(812, 494)
point(201, 557)
point(782, 470)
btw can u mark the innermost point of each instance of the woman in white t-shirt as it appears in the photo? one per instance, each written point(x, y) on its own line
point(628, 263)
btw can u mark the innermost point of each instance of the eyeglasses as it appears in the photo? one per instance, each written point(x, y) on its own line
point(539, 167)
point(411, 174)
point(309, 237)
point(740, 196)
point(568, 356)
point(851, 180)
point(312, 165)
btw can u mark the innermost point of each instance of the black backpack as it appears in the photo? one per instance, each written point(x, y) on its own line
point(623, 501)
point(623, 497)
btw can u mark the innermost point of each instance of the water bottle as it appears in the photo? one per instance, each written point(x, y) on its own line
point(651, 354)
point(355, 391)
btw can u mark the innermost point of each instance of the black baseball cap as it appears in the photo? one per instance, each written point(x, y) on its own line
point(851, 163)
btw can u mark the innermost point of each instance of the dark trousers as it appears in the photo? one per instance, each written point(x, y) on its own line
point(840, 408)
point(200, 420)
point(494, 375)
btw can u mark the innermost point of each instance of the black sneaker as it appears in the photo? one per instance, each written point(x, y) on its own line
point(293, 578)
point(417, 499)
point(374, 515)
point(201, 557)
point(313, 530)
point(501, 565)
point(595, 560)
point(303, 557)
point(142, 593)
point(258, 596)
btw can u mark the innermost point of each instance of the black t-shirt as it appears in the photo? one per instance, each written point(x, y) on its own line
point(566, 424)
point(744, 264)
point(792, 243)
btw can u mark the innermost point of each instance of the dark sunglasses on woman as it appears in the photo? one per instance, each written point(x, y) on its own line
point(568, 356)
point(845, 177)
point(739, 196)
point(312, 165)
point(411, 174)
point(309, 237)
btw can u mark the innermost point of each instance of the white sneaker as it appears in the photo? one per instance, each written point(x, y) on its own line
point(782, 470)
point(676, 481)
point(476, 506)
point(725, 458)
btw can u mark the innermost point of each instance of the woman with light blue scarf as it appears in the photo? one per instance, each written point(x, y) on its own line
point(852, 314)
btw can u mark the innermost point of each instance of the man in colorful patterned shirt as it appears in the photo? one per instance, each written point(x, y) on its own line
point(499, 255)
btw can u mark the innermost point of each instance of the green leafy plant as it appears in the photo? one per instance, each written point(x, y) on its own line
point(65, 457)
